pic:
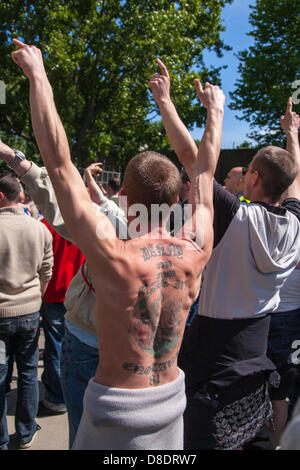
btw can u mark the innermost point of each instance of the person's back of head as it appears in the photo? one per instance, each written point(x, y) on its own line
point(277, 170)
point(184, 176)
point(113, 186)
point(151, 178)
point(185, 185)
point(10, 189)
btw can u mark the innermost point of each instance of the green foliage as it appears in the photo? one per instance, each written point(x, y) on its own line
point(99, 56)
point(244, 145)
point(269, 68)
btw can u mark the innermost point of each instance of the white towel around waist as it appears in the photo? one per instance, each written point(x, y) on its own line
point(139, 419)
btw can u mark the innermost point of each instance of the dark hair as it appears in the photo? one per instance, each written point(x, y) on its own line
point(115, 184)
point(151, 178)
point(184, 176)
point(10, 187)
point(277, 170)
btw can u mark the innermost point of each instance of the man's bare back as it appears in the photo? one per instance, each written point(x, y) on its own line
point(144, 287)
point(143, 309)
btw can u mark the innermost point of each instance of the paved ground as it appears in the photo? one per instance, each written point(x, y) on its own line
point(54, 433)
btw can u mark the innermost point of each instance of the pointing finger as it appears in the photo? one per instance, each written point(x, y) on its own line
point(163, 68)
point(289, 105)
point(198, 86)
point(18, 43)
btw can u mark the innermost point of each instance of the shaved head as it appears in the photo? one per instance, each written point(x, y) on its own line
point(234, 181)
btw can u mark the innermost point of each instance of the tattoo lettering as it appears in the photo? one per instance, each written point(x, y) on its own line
point(164, 265)
point(180, 285)
point(165, 274)
point(154, 379)
point(148, 290)
point(156, 367)
point(172, 249)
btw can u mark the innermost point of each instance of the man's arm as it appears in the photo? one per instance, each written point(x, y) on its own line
point(46, 268)
point(72, 196)
point(40, 189)
point(201, 191)
point(180, 138)
point(290, 123)
point(182, 141)
point(7, 155)
point(96, 194)
point(44, 286)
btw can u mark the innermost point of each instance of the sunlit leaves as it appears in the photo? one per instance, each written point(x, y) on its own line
point(268, 68)
point(99, 56)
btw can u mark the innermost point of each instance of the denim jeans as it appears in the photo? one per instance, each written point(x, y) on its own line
point(78, 365)
point(22, 335)
point(53, 323)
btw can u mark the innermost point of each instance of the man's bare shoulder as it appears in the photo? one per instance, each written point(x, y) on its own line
point(150, 261)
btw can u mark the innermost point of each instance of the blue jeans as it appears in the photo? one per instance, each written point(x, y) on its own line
point(193, 312)
point(78, 365)
point(22, 335)
point(53, 323)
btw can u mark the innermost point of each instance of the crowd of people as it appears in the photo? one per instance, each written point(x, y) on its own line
point(164, 332)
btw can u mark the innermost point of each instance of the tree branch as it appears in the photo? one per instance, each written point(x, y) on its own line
point(13, 130)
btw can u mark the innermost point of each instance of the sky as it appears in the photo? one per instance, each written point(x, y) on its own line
point(235, 18)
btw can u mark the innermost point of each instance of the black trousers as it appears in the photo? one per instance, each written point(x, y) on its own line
point(229, 418)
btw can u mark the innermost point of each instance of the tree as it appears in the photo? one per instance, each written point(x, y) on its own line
point(99, 56)
point(269, 69)
point(244, 145)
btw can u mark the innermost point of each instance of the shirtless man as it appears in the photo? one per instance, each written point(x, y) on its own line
point(146, 285)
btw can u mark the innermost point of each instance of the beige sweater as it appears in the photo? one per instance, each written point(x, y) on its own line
point(26, 257)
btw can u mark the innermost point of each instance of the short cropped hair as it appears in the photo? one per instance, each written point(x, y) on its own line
point(151, 178)
point(115, 184)
point(10, 187)
point(277, 169)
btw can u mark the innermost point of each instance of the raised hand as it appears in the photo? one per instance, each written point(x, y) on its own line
point(29, 58)
point(6, 152)
point(95, 169)
point(212, 97)
point(290, 121)
point(160, 84)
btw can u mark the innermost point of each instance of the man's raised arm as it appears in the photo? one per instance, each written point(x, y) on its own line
point(200, 164)
point(96, 195)
point(72, 196)
point(201, 191)
point(290, 123)
point(180, 138)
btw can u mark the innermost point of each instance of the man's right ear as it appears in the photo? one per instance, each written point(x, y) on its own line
point(2, 197)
